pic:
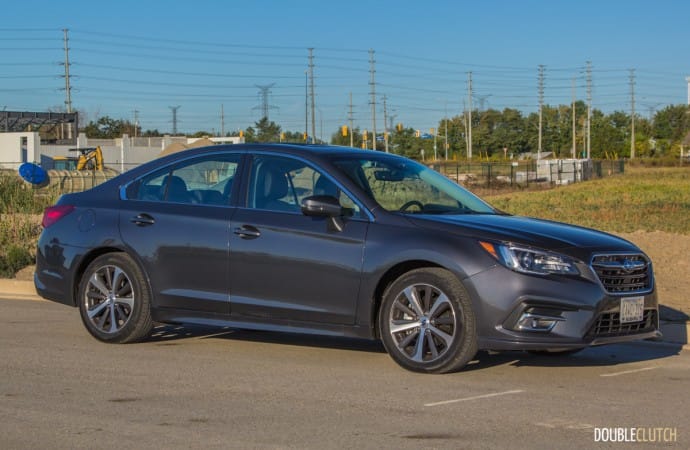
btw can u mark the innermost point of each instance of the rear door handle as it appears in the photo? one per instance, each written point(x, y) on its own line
point(142, 220)
point(247, 232)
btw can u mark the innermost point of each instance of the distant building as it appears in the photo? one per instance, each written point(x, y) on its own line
point(120, 154)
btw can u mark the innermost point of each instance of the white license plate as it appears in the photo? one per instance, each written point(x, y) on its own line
point(632, 309)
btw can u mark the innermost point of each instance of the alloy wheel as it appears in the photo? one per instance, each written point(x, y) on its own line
point(422, 323)
point(109, 299)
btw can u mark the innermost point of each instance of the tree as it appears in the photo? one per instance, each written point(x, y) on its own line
point(610, 134)
point(266, 131)
point(672, 123)
point(108, 128)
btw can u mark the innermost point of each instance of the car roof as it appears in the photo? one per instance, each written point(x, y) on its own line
point(308, 151)
point(295, 149)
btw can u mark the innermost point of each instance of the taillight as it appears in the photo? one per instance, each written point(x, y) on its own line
point(54, 213)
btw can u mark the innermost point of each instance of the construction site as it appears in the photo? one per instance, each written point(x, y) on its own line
point(73, 162)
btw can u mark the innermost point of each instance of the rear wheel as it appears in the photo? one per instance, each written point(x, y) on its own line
point(426, 322)
point(114, 299)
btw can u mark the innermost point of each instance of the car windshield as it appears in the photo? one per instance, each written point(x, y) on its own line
point(403, 185)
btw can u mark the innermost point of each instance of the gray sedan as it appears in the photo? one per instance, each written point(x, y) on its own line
point(338, 241)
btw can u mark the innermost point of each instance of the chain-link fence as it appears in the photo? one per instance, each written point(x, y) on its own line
point(524, 173)
point(477, 174)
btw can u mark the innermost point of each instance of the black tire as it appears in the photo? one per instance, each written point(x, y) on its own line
point(431, 304)
point(114, 299)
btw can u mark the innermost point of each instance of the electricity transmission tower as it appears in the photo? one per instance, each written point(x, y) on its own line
point(264, 91)
point(483, 99)
point(174, 118)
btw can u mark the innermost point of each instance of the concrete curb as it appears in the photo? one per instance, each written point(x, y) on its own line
point(675, 333)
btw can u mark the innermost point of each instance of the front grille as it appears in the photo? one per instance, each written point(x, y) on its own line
point(623, 274)
point(608, 324)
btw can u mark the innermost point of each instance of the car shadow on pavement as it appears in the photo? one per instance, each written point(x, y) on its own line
point(607, 355)
point(167, 334)
point(601, 356)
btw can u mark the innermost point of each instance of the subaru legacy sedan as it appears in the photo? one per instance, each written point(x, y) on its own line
point(336, 241)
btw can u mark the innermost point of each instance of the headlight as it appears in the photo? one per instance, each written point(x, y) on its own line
point(529, 260)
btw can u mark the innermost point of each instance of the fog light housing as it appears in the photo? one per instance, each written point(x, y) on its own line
point(533, 321)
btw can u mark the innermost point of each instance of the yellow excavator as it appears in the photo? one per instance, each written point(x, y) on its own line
point(90, 158)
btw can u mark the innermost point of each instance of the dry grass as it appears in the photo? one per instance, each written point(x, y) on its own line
point(646, 199)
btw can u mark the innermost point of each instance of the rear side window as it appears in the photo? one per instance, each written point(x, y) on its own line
point(209, 180)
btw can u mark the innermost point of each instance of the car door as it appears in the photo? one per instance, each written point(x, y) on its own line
point(176, 221)
point(288, 266)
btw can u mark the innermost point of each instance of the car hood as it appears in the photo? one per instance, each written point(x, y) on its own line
point(574, 240)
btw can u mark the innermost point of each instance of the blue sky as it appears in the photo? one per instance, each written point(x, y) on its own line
point(150, 55)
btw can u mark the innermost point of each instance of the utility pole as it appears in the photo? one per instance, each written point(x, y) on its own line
point(174, 118)
point(541, 107)
point(445, 121)
point(435, 132)
point(589, 109)
point(632, 113)
point(372, 83)
point(68, 89)
point(469, 119)
point(464, 122)
point(352, 131)
point(313, 101)
point(306, 105)
point(573, 112)
point(222, 121)
point(136, 121)
point(385, 124)
point(688, 80)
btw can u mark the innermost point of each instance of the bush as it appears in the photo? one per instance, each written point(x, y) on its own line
point(14, 259)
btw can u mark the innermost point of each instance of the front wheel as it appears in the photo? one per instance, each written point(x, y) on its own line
point(426, 322)
point(114, 299)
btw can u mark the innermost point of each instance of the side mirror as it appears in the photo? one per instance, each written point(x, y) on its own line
point(324, 206)
point(321, 206)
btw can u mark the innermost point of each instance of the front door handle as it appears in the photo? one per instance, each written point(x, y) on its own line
point(142, 220)
point(247, 232)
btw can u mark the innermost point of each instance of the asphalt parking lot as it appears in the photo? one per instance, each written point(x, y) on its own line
point(191, 387)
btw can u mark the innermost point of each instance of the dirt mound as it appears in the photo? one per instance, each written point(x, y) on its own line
point(669, 253)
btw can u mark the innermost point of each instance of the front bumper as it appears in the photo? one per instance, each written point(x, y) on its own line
point(585, 315)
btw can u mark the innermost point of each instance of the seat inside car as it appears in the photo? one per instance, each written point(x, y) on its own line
point(175, 190)
point(324, 186)
point(271, 187)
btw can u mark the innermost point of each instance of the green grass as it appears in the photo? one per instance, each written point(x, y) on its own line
point(646, 199)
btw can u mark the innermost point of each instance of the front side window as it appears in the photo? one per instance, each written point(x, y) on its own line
point(280, 184)
point(403, 185)
point(206, 181)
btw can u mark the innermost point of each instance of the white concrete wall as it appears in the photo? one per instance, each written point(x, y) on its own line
point(120, 154)
point(11, 153)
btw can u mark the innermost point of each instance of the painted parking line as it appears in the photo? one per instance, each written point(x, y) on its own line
point(625, 372)
point(476, 397)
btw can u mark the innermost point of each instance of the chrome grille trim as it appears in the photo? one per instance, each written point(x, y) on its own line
point(623, 273)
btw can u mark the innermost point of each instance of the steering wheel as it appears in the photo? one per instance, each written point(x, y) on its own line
point(407, 205)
